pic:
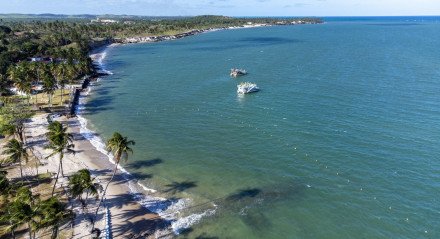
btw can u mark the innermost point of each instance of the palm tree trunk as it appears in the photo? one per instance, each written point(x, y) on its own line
point(103, 194)
point(21, 170)
point(62, 93)
point(36, 165)
point(56, 180)
point(12, 226)
point(61, 164)
point(85, 200)
point(54, 232)
point(30, 230)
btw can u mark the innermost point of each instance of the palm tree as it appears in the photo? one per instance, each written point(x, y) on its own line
point(81, 182)
point(21, 210)
point(3, 85)
point(60, 142)
point(119, 146)
point(16, 153)
point(15, 117)
point(34, 72)
point(59, 71)
point(51, 213)
point(4, 182)
point(18, 74)
point(49, 86)
point(83, 67)
point(71, 71)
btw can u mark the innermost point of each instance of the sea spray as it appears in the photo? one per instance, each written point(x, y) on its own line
point(168, 209)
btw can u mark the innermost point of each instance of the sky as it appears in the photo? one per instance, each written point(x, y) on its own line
point(226, 7)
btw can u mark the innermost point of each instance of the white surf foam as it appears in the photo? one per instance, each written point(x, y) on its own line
point(170, 210)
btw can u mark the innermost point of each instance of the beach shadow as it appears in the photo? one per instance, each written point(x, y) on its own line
point(133, 176)
point(176, 187)
point(138, 223)
point(244, 193)
point(141, 176)
point(186, 233)
point(41, 142)
point(145, 163)
point(205, 236)
point(30, 181)
point(100, 172)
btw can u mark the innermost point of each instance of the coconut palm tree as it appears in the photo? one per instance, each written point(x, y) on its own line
point(34, 74)
point(3, 85)
point(16, 153)
point(18, 74)
point(49, 85)
point(4, 182)
point(71, 71)
point(83, 67)
point(81, 182)
point(59, 71)
point(19, 211)
point(60, 142)
point(62, 73)
point(15, 117)
point(51, 213)
point(119, 146)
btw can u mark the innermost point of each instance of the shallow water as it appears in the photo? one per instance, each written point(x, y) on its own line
point(343, 140)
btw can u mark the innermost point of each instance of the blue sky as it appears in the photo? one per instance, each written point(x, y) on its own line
point(227, 7)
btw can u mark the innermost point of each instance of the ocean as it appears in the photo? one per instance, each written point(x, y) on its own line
point(342, 141)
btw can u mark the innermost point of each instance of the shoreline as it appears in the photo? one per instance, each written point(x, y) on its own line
point(134, 192)
point(121, 214)
point(160, 38)
point(166, 210)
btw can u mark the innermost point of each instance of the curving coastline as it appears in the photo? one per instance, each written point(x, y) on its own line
point(167, 211)
point(159, 38)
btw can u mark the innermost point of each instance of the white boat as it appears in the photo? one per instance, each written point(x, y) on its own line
point(247, 87)
point(237, 72)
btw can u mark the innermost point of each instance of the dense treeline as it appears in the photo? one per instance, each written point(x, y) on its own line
point(70, 40)
point(42, 56)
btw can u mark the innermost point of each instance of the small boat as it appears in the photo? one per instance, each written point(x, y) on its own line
point(247, 87)
point(237, 72)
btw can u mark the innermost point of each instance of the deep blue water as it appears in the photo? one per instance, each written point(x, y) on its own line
point(343, 141)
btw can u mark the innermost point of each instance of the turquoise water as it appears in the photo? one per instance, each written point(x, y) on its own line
point(343, 140)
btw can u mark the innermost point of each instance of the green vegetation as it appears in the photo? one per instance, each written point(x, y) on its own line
point(39, 56)
point(119, 146)
point(21, 208)
point(81, 182)
point(59, 45)
point(16, 153)
point(60, 142)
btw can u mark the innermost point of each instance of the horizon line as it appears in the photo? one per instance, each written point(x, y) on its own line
point(236, 16)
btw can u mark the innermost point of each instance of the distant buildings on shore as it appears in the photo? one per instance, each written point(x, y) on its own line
point(110, 21)
point(104, 21)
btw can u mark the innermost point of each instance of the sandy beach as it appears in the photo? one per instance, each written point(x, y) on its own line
point(127, 217)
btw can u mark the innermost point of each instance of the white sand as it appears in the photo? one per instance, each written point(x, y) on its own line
point(127, 217)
